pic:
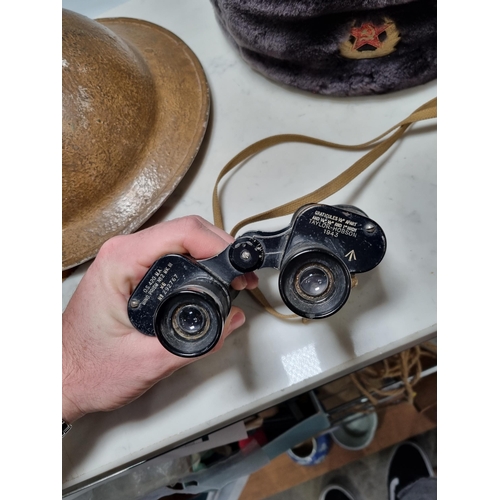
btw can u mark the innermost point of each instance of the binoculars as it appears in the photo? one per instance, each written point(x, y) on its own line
point(184, 302)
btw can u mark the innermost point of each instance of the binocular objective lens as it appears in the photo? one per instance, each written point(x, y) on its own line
point(313, 281)
point(190, 320)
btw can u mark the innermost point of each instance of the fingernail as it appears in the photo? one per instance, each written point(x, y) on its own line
point(243, 282)
point(237, 320)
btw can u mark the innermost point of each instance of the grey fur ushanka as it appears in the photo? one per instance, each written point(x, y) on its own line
point(335, 47)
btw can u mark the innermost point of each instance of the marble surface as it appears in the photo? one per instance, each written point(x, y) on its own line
point(269, 360)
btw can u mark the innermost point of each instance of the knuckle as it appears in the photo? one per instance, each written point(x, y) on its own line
point(110, 247)
point(193, 223)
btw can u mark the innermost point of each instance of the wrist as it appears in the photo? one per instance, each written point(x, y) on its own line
point(70, 380)
point(70, 411)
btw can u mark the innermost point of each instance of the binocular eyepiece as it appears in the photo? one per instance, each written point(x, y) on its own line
point(189, 321)
point(185, 302)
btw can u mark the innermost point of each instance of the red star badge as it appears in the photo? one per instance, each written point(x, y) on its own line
point(367, 34)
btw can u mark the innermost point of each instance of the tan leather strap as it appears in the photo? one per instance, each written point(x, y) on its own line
point(379, 146)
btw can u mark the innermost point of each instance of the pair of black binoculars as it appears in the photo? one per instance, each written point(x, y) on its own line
point(184, 302)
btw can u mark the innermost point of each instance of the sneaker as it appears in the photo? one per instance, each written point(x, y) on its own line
point(408, 464)
point(335, 492)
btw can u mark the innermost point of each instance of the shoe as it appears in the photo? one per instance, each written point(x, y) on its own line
point(335, 492)
point(408, 464)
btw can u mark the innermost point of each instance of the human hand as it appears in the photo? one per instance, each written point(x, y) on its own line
point(106, 362)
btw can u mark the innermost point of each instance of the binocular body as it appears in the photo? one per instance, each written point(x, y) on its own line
point(184, 302)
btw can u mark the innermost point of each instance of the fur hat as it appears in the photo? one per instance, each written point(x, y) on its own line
point(336, 47)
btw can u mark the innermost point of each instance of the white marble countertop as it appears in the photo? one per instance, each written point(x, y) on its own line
point(268, 360)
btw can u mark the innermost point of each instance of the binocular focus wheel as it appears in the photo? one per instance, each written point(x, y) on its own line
point(314, 284)
point(189, 323)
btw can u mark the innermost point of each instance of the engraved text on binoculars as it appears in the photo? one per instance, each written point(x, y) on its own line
point(157, 282)
point(334, 227)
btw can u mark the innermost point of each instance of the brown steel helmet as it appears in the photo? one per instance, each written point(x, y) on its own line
point(135, 110)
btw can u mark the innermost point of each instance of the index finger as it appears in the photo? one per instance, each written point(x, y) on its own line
point(187, 235)
point(191, 235)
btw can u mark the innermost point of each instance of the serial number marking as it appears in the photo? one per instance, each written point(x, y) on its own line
point(158, 284)
point(163, 288)
point(158, 276)
point(166, 287)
